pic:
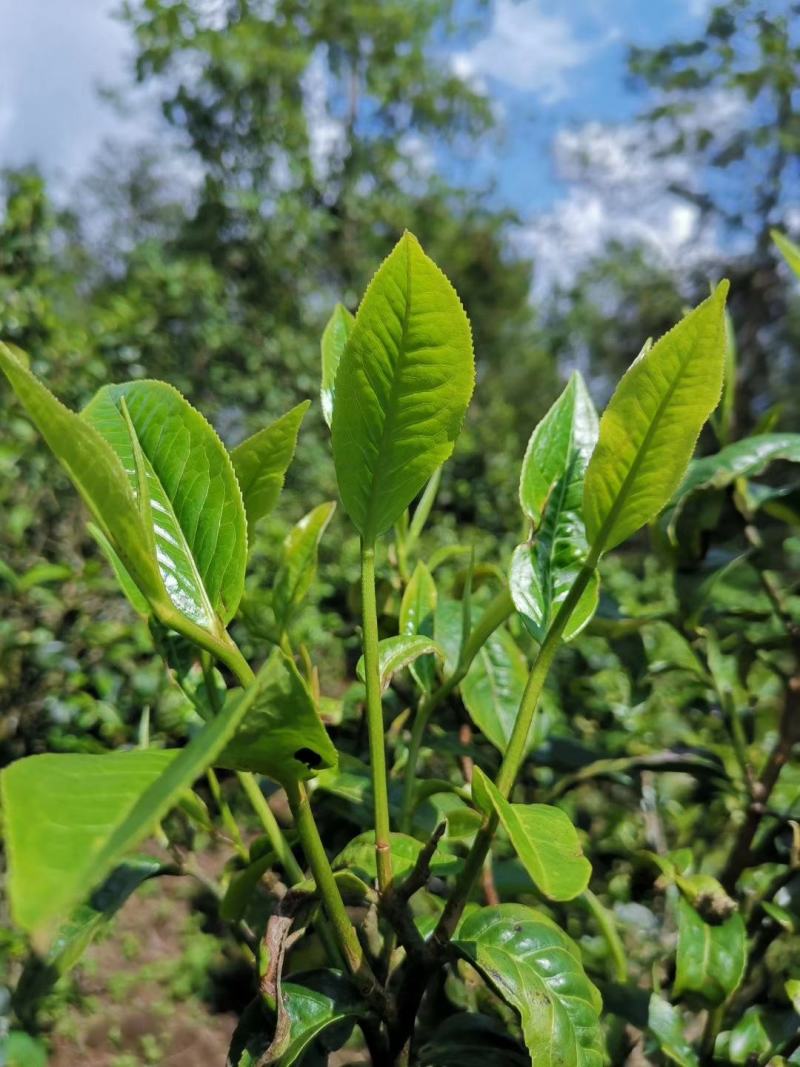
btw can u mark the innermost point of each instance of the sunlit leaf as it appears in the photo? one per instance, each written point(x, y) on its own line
point(194, 500)
point(395, 653)
point(402, 388)
point(69, 819)
point(334, 341)
point(417, 611)
point(298, 565)
point(711, 957)
point(543, 838)
point(536, 967)
point(493, 688)
point(665, 1024)
point(282, 736)
point(262, 460)
point(650, 427)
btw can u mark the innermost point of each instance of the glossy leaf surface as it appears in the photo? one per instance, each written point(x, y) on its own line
point(334, 341)
point(536, 967)
point(542, 836)
point(711, 958)
point(395, 653)
point(313, 1003)
point(650, 427)
point(493, 687)
point(402, 388)
point(194, 505)
point(665, 1023)
point(69, 819)
point(298, 566)
point(262, 460)
point(282, 736)
point(94, 469)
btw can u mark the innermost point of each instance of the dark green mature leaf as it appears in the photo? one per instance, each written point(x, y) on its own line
point(282, 736)
point(665, 1024)
point(195, 504)
point(69, 819)
point(417, 611)
point(536, 968)
point(743, 459)
point(395, 653)
point(298, 566)
point(759, 1032)
point(314, 1003)
point(262, 460)
point(493, 688)
point(95, 471)
point(334, 341)
point(711, 958)
point(650, 427)
point(543, 838)
point(402, 388)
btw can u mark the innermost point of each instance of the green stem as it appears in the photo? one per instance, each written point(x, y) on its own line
point(515, 754)
point(608, 928)
point(274, 833)
point(329, 891)
point(227, 815)
point(497, 611)
point(377, 750)
point(313, 849)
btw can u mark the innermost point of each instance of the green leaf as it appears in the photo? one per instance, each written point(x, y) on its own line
point(543, 838)
point(402, 388)
point(95, 471)
point(195, 504)
point(358, 856)
point(758, 1033)
point(86, 922)
point(562, 442)
point(743, 459)
point(314, 1003)
point(133, 593)
point(665, 1023)
point(21, 1050)
point(536, 968)
point(493, 688)
point(788, 249)
point(69, 819)
point(395, 653)
point(471, 1040)
point(551, 494)
point(262, 460)
point(711, 958)
point(298, 566)
point(282, 736)
point(334, 341)
point(650, 427)
point(417, 611)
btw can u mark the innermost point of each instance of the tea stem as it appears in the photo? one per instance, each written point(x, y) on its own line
point(377, 750)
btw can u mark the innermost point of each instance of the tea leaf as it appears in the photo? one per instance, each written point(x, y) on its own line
point(788, 249)
point(543, 838)
point(493, 687)
point(95, 471)
point(299, 564)
point(395, 653)
point(651, 425)
point(711, 958)
point(665, 1023)
point(69, 819)
point(262, 460)
point(402, 388)
point(334, 341)
point(537, 969)
point(417, 610)
point(195, 505)
point(282, 736)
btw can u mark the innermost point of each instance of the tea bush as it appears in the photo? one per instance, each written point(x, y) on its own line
point(550, 815)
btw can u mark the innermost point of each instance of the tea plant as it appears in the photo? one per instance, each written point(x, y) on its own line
point(430, 958)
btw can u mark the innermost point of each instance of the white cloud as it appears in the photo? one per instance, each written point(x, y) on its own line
point(622, 186)
point(527, 49)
